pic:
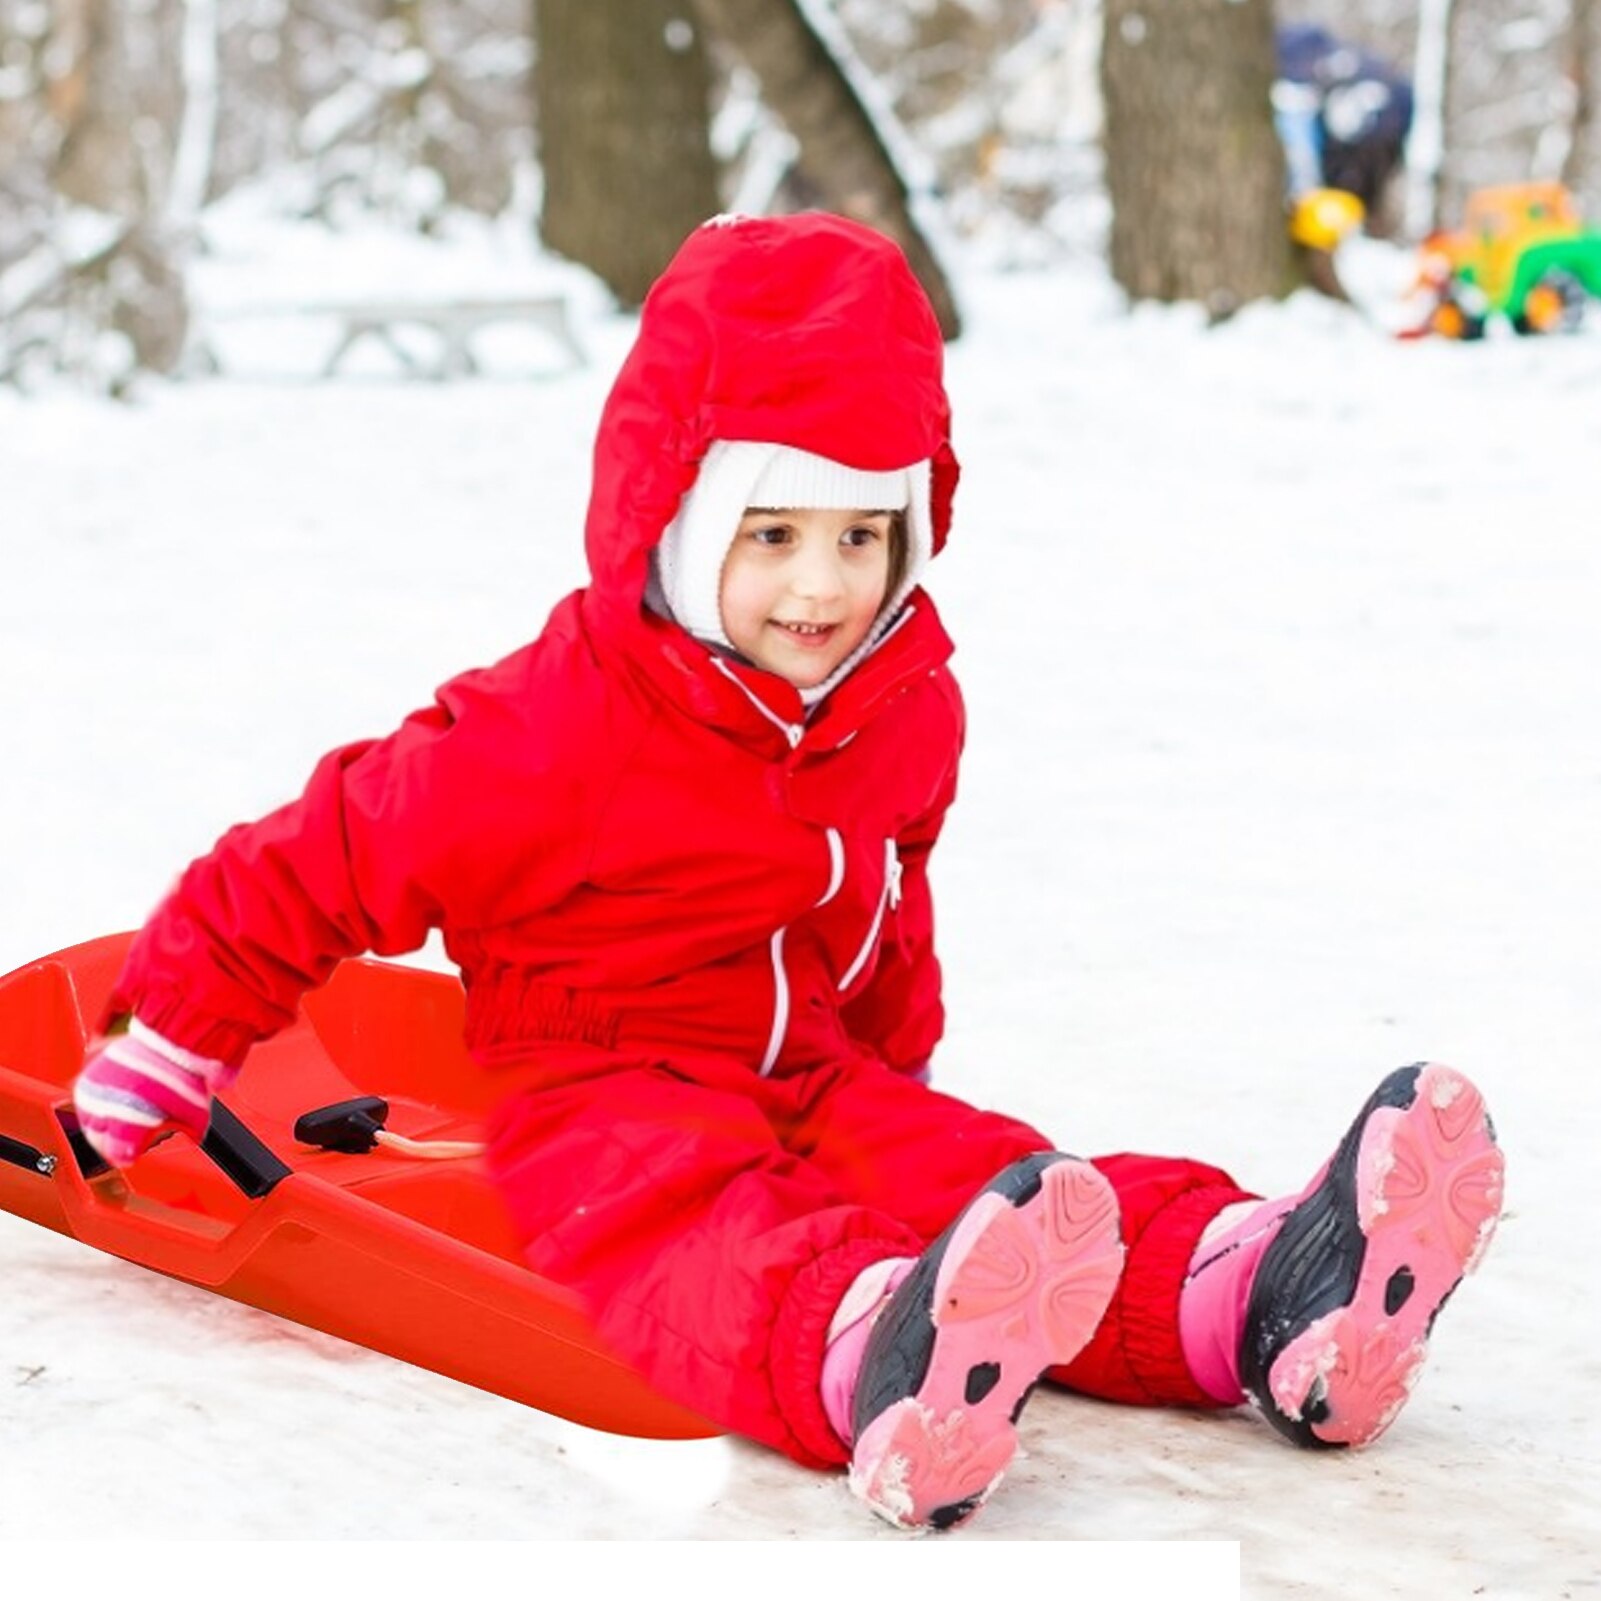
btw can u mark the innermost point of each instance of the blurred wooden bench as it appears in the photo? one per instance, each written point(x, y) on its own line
point(454, 322)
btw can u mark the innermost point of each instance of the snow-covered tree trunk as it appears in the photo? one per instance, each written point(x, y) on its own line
point(1425, 146)
point(811, 81)
point(1581, 167)
point(100, 166)
point(623, 90)
point(197, 129)
point(97, 162)
point(1194, 168)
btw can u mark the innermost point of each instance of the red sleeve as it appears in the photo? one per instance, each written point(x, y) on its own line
point(457, 811)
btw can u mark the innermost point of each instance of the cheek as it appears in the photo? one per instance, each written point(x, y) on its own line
point(741, 594)
point(870, 586)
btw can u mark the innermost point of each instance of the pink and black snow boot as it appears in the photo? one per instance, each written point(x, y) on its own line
point(1350, 1275)
point(1016, 1284)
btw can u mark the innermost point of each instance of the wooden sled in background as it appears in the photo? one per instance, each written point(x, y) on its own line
point(413, 1258)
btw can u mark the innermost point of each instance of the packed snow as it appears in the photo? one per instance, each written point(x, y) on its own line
point(1282, 648)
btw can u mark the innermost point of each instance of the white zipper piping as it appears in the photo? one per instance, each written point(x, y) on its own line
point(836, 874)
point(792, 732)
point(775, 1037)
point(889, 896)
point(775, 1040)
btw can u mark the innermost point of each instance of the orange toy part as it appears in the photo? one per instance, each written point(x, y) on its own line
point(413, 1258)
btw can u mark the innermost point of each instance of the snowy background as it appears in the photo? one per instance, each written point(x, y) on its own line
point(1282, 646)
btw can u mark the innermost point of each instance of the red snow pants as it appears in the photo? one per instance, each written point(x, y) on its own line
point(713, 1219)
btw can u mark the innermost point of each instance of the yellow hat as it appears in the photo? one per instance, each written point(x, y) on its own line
point(1321, 218)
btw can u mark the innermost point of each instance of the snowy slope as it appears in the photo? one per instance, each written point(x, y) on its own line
point(1282, 653)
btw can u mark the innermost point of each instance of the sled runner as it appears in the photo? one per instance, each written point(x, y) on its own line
point(410, 1257)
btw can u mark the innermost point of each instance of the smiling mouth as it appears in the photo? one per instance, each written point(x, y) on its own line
point(807, 630)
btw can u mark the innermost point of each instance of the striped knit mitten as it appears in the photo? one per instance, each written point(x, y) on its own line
point(138, 1087)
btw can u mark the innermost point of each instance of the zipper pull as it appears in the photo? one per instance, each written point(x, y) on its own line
point(892, 873)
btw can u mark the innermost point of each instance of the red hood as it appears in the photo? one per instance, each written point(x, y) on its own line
point(808, 331)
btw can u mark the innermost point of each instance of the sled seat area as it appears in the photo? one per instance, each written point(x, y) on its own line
point(383, 1030)
point(411, 1257)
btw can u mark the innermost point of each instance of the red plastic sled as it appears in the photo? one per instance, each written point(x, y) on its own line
point(413, 1258)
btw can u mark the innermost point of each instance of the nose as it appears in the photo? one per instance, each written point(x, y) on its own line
point(815, 573)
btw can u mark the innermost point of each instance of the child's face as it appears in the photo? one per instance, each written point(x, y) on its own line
point(801, 588)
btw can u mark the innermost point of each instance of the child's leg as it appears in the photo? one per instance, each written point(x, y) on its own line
point(1173, 1335)
point(891, 1141)
point(1316, 1307)
point(928, 1384)
point(1137, 1356)
point(717, 1255)
point(712, 1258)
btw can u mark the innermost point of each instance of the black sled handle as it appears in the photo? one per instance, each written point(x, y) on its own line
point(250, 1166)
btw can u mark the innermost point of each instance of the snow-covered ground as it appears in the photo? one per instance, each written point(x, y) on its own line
point(1282, 645)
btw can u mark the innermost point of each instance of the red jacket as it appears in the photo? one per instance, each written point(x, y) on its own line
point(625, 838)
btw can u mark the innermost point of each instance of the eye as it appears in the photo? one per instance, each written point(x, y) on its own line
point(771, 534)
point(860, 535)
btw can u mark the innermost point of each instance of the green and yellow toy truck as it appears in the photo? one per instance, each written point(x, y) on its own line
point(1523, 253)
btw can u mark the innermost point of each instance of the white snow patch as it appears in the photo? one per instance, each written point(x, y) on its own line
point(1481, 1240)
point(1378, 1163)
point(1296, 1379)
point(886, 1488)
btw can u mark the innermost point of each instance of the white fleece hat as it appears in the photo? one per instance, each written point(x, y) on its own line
point(687, 564)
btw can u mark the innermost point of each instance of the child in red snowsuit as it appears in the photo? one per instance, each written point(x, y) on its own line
point(679, 848)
